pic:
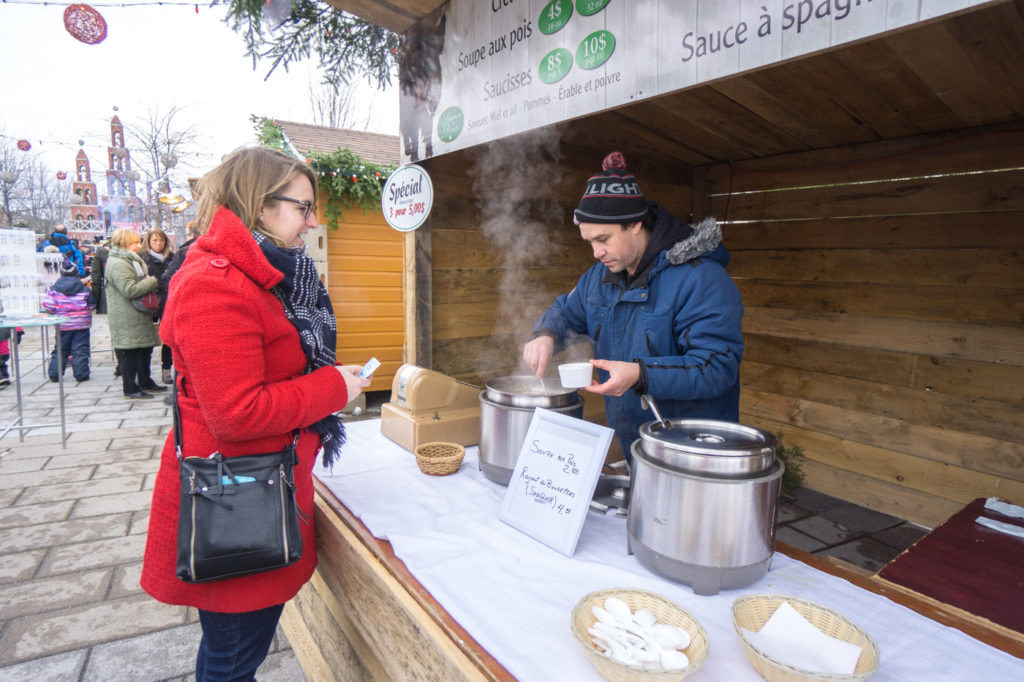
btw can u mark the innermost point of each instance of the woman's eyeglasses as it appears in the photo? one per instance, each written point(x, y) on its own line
point(308, 206)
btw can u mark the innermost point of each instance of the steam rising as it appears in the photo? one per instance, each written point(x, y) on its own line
point(517, 183)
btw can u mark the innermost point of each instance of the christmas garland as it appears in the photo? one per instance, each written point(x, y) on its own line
point(269, 134)
point(347, 179)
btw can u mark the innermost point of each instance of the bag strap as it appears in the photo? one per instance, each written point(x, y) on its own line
point(176, 413)
point(179, 440)
point(109, 282)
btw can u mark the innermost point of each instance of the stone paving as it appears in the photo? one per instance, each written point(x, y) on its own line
point(72, 532)
point(828, 526)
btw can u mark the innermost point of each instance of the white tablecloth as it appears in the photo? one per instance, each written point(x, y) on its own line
point(515, 595)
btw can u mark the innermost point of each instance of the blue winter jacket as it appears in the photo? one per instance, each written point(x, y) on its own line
point(681, 321)
point(67, 247)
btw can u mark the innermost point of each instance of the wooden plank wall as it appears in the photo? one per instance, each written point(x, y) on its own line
point(365, 259)
point(884, 294)
point(489, 287)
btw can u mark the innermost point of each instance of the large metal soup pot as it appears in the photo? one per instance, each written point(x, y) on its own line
point(506, 408)
point(705, 446)
point(703, 499)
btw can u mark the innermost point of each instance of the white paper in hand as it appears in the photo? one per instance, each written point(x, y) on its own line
point(369, 368)
point(792, 639)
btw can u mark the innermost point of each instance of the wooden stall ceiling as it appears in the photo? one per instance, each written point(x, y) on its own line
point(365, 264)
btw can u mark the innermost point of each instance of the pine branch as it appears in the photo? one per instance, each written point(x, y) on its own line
point(345, 46)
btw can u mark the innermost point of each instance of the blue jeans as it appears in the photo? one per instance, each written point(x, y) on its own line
point(74, 343)
point(235, 644)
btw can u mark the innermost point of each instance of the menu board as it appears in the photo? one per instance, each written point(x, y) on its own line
point(481, 70)
point(554, 478)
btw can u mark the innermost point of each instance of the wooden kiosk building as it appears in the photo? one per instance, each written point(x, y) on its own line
point(872, 198)
point(361, 262)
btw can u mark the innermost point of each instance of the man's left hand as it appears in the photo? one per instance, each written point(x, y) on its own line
point(623, 376)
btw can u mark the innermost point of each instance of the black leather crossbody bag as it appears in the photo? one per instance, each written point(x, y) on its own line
point(237, 515)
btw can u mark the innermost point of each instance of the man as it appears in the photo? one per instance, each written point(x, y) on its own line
point(59, 238)
point(662, 314)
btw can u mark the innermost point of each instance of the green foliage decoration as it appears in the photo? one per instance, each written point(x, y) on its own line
point(347, 179)
point(269, 134)
point(349, 182)
point(793, 477)
point(345, 46)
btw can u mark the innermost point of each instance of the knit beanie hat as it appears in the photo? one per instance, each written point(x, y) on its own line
point(611, 196)
point(68, 267)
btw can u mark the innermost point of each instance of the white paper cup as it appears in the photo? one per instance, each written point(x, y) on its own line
point(575, 374)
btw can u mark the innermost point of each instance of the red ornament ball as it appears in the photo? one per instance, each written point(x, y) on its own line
point(61, 175)
point(85, 24)
point(24, 145)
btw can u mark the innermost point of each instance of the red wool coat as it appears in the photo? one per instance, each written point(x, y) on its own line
point(241, 390)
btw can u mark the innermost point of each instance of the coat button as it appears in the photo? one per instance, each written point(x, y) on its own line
point(219, 262)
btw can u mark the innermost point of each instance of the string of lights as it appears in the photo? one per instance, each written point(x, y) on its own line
point(144, 3)
point(100, 147)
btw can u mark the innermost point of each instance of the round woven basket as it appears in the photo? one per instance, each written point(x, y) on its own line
point(665, 611)
point(439, 459)
point(753, 611)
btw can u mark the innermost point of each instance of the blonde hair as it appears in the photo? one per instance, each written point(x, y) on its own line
point(156, 231)
point(244, 182)
point(124, 237)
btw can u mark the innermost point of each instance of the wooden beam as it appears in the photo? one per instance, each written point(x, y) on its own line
point(1000, 345)
point(394, 15)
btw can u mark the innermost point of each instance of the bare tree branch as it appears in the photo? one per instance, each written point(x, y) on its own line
point(335, 107)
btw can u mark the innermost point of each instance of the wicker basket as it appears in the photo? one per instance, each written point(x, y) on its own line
point(439, 459)
point(753, 611)
point(664, 610)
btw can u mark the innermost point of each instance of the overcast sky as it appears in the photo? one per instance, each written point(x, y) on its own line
point(56, 90)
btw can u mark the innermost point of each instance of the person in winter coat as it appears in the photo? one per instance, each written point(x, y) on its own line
point(251, 369)
point(97, 271)
point(59, 238)
point(662, 314)
point(158, 253)
point(69, 297)
point(165, 282)
point(132, 332)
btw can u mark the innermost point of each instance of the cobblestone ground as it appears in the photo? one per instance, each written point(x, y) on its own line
point(72, 531)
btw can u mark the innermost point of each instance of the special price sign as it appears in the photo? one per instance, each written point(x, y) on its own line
point(407, 198)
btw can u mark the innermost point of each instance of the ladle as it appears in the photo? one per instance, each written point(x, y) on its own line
point(647, 403)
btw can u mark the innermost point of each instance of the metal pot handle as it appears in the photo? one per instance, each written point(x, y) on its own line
point(647, 403)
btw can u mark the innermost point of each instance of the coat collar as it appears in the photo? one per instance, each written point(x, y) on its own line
point(230, 238)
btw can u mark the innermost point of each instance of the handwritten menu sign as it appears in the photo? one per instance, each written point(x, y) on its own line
point(554, 479)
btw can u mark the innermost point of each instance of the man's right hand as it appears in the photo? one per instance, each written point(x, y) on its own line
point(537, 354)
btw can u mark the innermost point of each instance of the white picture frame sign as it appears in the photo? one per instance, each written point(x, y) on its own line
point(549, 494)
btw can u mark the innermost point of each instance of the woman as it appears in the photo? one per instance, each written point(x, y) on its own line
point(132, 332)
point(97, 271)
point(158, 254)
point(250, 370)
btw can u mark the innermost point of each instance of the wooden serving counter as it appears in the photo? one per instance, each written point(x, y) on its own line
point(363, 616)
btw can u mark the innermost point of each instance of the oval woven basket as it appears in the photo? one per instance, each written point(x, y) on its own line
point(439, 459)
point(753, 611)
point(664, 610)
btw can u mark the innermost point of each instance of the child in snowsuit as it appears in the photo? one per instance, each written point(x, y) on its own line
point(71, 298)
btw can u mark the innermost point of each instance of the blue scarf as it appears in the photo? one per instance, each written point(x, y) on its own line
point(309, 309)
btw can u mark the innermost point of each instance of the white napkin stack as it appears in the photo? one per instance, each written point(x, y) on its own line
point(1006, 509)
point(790, 638)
